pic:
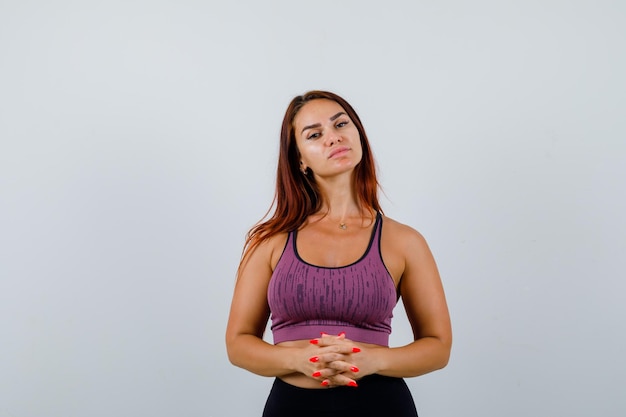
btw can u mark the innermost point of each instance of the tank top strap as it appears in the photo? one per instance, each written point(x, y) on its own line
point(290, 245)
point(375, 243)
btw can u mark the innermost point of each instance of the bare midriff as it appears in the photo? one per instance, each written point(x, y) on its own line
point(304, 381)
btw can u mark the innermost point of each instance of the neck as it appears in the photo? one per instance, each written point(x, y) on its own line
point(339, 200)
point(340, 206)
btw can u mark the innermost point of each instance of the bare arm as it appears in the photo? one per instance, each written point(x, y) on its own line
point(425, 304)
point(248, 317)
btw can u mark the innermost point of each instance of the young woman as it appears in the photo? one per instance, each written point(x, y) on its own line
point(328, 268)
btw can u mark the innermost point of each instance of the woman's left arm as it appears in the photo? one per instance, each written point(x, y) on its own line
point(425, 304)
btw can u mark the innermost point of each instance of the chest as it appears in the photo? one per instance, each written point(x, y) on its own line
point(332, 248)
point(352, 292)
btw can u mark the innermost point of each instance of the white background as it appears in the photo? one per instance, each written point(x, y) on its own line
point(139, 142)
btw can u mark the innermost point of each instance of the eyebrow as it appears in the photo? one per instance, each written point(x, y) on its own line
point(332, 119)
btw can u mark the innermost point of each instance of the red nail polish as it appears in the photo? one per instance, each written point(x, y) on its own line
point(355, 350)
point(314, 359)
point(352, 384)
point(314, 341)
point(316, 374)
point(354, 369)
point(325, 383)
point(342, 334)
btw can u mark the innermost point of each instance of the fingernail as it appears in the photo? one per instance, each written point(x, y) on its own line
point(354, 369)
point(325, 383)
point(316, 374)
point(314, 341)
point(355, 350)
point(314, 359)
point(323, 333)
point(342, 334)
point(352, 384)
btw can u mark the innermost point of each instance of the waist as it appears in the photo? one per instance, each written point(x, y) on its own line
point(311, 331)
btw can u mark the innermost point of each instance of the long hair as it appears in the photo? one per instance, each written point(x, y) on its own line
point(297, 196)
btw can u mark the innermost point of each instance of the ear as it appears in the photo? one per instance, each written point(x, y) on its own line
point(303, 167)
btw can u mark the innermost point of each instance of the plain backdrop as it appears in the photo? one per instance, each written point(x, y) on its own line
point(138, 144)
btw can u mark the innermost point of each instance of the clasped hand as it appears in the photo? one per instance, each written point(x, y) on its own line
point(334, 364)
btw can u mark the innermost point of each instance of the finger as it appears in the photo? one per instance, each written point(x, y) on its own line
point(341, 380)
point(324, 373)
point(343, 367)
point(329, 338)
point(323, 359)
point(340, 346)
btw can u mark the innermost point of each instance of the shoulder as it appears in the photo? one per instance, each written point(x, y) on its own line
point(402, 247)
point(276, 246)
point(266, 252)
point(261, 260)
point(269, 250)
point(402, 234)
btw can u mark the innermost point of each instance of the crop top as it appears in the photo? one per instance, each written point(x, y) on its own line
point(358, 299)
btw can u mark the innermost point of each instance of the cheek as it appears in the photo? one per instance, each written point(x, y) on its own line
point(360, 154)
point(359, 144)
point(313, 148)
point(308, 154)
point(360, 150)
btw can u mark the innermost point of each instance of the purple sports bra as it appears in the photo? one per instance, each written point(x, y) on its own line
point(357, 299)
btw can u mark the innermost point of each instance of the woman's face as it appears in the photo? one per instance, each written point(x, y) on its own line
point(328, 141)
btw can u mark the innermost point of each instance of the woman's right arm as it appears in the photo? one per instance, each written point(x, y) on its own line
point(248, 317)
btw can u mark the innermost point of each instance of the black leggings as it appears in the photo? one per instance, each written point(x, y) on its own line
point(376, 395)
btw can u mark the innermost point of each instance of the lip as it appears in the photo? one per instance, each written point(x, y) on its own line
point(339, 150)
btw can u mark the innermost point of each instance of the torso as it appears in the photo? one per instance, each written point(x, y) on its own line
point(325, 244)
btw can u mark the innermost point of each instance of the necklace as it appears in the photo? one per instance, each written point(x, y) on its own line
point(343, 226)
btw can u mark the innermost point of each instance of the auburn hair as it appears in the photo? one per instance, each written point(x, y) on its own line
point(297, 195)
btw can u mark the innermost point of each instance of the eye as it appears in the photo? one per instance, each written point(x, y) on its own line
point(313, 135)
point(341, 124)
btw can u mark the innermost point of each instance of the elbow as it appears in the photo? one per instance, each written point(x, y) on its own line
point(439, 352)
point(231, 350)
point(238, 350)
point(231, 356)
point(444, 353)
point(444, 360)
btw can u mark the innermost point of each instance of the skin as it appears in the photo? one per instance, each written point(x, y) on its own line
point(330, 149)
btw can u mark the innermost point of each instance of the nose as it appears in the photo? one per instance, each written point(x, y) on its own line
point(334, 138)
